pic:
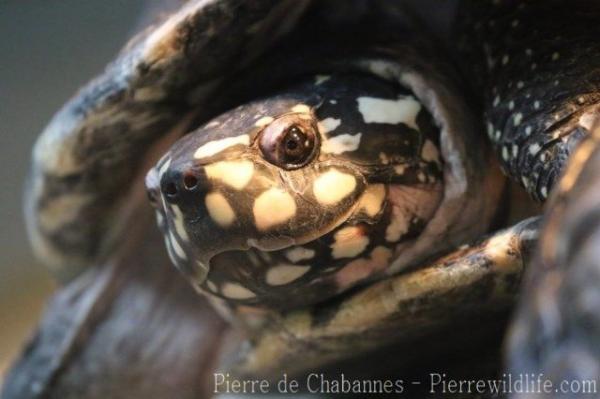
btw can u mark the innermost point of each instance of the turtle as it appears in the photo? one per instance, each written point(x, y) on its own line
point(330, 185)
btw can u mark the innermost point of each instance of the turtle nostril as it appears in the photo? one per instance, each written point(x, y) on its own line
point(170, 189)
point(190, 181)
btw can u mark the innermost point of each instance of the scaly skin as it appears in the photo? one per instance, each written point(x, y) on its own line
point(253, 230)
point(535, 66)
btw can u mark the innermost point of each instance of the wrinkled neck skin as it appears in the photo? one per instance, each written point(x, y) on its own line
point(291, 199)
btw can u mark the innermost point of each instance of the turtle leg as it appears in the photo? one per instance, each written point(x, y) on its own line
point(476, 282)
point(557, 328)
point(534, 65)
point(538, 69)
point(131, 328)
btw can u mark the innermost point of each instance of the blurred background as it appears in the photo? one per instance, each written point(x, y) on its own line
point(47, 51)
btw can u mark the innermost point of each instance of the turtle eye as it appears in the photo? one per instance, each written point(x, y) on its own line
point(287, 143)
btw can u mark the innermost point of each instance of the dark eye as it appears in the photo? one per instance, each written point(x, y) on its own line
point(287, 144)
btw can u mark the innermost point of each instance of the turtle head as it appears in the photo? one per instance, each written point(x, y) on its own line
point(238, 195)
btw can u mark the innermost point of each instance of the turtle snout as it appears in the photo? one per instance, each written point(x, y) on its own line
point(177, 184)
point(173, 184)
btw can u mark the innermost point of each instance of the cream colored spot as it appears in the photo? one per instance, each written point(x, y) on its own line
point(372, 199)
point(236, 174)
point(178, 222)
point(400, 169)
point(170, 251)
point(212, 124)
point(379, 110)
point(298, 254)
point(264, 121)
point(219, 209)
point(321, 79)
point(328, 125)
point(341, 143)
point(216, 146)
point(273, 207)
point(536, 105)
point(301, 109)
point(236, 291)
point(159, 219)
point(284, 274)
point(397, 227)
point(333, 186)
point(176, 247)
point(534, 149)
point(164, 167)
point(517, 119)
point(349, 242)
point(429, 152)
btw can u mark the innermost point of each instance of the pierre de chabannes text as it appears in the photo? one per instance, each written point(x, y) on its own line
point(434, 383)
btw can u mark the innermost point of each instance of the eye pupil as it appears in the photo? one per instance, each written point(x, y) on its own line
point(291, 144)
point(296, 145)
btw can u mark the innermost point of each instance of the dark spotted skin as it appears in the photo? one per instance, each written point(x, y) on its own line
point(535, 64)
point(328, 242)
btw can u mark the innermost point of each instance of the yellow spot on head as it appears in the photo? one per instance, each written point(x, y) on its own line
point(284, 274)
point(333, 186)
point(219, 209)
point(236, 174)
point(264, 121)
point(236, 291)
point(176, 247)
point(216, 146)
point(380, 110)
point(178, 222)
point(372, 199)
point(301, 109)
point(349, 242)
point(273, 207)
